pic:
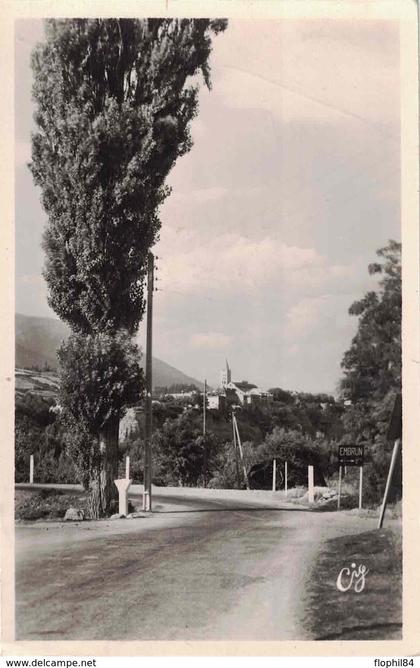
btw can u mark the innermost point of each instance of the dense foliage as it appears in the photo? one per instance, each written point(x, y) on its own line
point(183, 456)
point(372, 370)
point(38, 433)
point(307, 423)
point(100, 375)
point(372, 365)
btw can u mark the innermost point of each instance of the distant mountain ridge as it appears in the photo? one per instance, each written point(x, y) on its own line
point(37, 340)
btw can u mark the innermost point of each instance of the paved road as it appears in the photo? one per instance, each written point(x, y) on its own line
point(202, 569)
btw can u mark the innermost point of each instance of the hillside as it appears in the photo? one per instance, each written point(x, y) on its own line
point(37, 340)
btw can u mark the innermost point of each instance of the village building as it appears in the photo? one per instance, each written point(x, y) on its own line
point(216, 402)
point(247, 394)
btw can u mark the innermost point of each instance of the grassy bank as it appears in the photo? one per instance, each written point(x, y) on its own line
point(375, 613)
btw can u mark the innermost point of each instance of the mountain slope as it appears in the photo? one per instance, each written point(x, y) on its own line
point(37, 340)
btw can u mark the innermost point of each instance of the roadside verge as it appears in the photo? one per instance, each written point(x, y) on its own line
point(375, 612)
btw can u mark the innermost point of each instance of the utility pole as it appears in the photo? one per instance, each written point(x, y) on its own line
point(394, 434)
point(235, 447)
point(147, 495)
point(241, 451)
point(395, 453)
point(204, 434)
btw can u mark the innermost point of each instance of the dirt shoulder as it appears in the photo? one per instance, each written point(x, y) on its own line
point(375, 612)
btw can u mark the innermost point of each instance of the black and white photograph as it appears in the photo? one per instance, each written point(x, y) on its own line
point(208, 430)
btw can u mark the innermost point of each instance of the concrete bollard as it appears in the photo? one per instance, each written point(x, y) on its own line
point(31, 470)
point(127, 467)
point(123, 486)
point(311, 484)
point(285, 478)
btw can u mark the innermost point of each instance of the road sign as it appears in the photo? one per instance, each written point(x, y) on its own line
point(351, 455)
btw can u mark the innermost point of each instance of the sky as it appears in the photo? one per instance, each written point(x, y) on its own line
point(291, 186)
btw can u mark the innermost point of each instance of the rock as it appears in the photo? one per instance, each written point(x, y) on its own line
point(117, 516)
point(74, 515)
point(328, 494)
point(133, 516)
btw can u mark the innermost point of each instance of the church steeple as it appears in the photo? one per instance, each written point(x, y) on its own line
point(225, 376)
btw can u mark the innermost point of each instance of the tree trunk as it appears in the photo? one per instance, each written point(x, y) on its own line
point(103, 493)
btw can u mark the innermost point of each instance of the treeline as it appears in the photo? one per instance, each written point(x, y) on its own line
point(175, 388)
point(182, 456)
point(298, 426)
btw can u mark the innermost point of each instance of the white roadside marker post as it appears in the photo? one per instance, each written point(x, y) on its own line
point(127, 467)
point(285, 478)
point(311, 484)
point(123, 485)
point(31, 469)
point(360, 486)
point(274, 474)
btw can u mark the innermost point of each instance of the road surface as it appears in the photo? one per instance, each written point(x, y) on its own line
point(209, 568)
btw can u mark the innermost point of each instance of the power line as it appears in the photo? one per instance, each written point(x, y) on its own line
point(328, 105)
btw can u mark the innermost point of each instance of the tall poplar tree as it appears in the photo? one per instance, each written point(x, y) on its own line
point(114, 101)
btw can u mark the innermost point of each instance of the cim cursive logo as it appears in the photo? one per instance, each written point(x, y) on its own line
point(353, 577)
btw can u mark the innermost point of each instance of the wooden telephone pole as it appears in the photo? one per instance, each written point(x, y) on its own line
point(235, 448)
point(147, 495)
point(394, 434)
point(239, 445)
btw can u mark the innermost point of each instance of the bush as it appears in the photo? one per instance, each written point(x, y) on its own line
point(45, 504)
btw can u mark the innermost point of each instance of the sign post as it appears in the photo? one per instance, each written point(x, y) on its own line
point(339, 488)
point(350, 455)
point(274, 474)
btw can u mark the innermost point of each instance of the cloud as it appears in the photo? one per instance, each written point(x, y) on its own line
point(324, 316)
point(319, 70)
point(233, 264)
point(211, 340)
point(247, 90)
